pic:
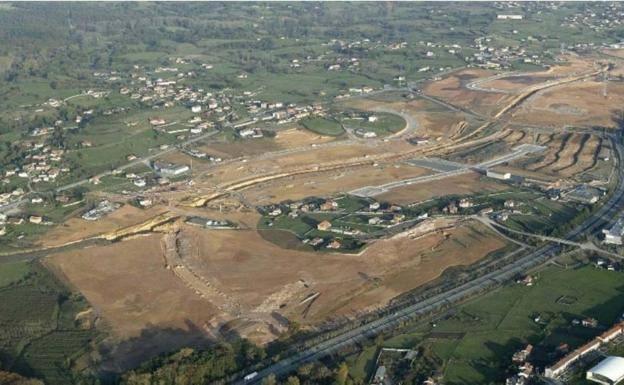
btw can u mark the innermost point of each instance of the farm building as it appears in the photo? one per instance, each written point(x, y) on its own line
point(609, 371)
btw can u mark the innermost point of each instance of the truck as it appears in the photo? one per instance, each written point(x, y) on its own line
point(250, 376)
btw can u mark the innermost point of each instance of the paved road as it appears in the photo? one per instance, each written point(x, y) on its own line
point(518, 152)
point(603, 215)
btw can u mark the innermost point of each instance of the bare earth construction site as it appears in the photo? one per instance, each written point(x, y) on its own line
point(170, 270)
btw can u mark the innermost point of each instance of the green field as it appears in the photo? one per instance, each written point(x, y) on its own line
point(385, 124)
point(476, 342)
point(38, 334)
point(323, 126)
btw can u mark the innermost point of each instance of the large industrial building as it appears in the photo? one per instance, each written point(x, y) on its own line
point(609, 371)
point(615, 233)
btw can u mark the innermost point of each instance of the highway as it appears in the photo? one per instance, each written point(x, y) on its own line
point(599, 218)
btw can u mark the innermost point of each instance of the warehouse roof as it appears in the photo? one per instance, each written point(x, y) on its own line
point(611, 369)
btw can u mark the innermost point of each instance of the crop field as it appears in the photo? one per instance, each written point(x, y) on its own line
point(476, 341)
point(38, 332)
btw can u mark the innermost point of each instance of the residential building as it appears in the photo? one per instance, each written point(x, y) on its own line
point(324, 226)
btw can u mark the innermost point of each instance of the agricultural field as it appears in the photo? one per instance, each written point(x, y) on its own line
point(45, 328)
point(475, 342)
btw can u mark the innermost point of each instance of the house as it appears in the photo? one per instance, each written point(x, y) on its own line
point(250, 133)
point(372, 118)
point(509, 203)
point(451, 208)
point(316, 241)
point(329, 206)
point(335, 244)
point(522, 355)
point(374, 206)
point(196, 109)
point(36, 219)
point(275, 212)
point(398, 218)
point(145, 202)
point(465, 203)
point(157, 121)
point(369, 134)
point(140, 182)
point(374, 221)
point(324, 225)
point(590, 323)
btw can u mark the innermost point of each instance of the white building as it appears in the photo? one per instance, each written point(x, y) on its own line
point(498, 175)
point(609, 371)
point(510, 17)
point(168, 169)
point(615, 233)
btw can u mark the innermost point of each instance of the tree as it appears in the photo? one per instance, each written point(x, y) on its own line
point(379, 340)
point(269, 380)
point(342, 374)
point(292, 380)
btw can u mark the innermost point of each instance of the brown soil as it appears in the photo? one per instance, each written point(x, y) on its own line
point(76, 229)
point(462, 184)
